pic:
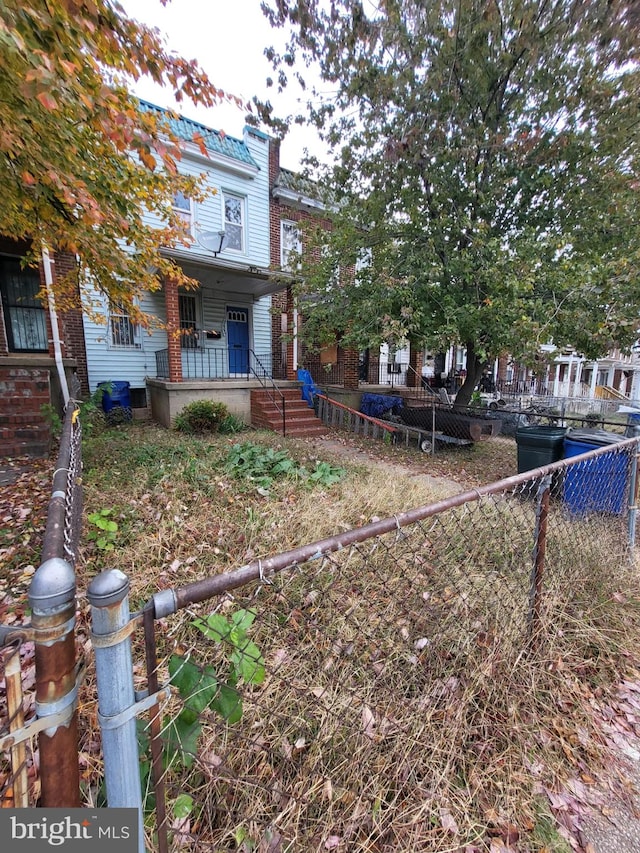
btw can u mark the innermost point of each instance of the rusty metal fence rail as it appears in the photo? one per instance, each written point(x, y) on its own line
point(313, 700)
point(40, 674)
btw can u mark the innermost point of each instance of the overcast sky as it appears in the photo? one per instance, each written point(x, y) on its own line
point(228, 40)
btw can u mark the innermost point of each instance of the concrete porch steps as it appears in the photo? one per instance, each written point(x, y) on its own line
point(300, 419)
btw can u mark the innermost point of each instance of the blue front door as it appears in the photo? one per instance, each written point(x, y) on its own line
point(238, 340)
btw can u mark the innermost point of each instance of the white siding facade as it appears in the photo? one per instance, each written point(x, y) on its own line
point(237, 278)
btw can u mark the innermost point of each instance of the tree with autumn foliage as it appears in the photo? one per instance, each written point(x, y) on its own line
point(81, 161)
point(486, 167)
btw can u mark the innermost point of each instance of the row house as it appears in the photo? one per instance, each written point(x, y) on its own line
point(42, 351)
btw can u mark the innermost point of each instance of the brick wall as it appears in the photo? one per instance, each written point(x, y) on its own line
point(70, 326)
point(24, 430)
point(283, 302)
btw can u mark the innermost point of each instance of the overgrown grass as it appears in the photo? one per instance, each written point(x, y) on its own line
point(404, 706)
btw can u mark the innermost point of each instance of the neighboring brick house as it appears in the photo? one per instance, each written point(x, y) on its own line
point(28, 373)
point(294, 202)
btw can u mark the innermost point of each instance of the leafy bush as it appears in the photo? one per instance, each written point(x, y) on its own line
point(201, 416)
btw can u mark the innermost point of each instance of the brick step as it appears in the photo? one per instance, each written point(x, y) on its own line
point(15, 418)
point(37, 449)
point(25, 433)
point(17, 404)
point(290, 412)
point(289, 394)
point(305, 431)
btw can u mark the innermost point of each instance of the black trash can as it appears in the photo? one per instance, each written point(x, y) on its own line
point(539, 445)
point(600, 484)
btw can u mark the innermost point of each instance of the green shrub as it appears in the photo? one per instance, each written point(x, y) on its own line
point(201, 416)
point(231, 424)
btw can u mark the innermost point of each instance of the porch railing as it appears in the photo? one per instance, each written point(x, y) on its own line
point(269, 386)
point(214, 363)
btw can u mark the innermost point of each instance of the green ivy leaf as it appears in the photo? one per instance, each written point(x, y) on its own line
point(183, 806)
point(216, 627)
point(249, 663)
point(243, 619)
point(228, 704)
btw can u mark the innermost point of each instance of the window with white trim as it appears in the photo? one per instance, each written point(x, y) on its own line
point(234, 222)
point(290, 242)
point(183, 208)
point(123, 332)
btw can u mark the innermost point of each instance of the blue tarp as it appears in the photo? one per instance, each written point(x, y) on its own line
point(377, 405)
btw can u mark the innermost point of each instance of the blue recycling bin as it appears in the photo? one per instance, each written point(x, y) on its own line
point(116, 400)
point(596, 485)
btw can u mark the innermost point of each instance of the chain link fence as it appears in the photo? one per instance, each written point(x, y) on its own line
point(358, 692)
point(38, 684)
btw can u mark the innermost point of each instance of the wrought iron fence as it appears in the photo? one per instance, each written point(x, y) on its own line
point(311, 700)
point(40, 667)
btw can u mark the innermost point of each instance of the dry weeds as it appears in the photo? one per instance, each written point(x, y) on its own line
point(404, 707)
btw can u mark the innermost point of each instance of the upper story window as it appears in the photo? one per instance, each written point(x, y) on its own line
point(290, 242)
point(183, 208)
point(24, 315)
point(234, 222)
point(123, 332)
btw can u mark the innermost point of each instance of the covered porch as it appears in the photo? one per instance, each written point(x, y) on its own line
point(222, 329)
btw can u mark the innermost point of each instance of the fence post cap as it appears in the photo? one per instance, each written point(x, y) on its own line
point(53, 585)
point(108, 588)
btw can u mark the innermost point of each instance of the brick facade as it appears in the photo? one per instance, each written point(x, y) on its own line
point(24, 429)
point(282, 322)
point(29, 380)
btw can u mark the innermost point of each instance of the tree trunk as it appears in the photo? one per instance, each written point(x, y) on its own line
point(474, 372)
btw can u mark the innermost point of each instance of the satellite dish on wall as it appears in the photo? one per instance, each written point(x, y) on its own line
point(213, 241)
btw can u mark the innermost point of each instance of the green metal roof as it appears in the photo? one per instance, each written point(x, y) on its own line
point(220, 143)
point(296, 183)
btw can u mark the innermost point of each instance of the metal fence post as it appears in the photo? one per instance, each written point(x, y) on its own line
point(633, 491)
point(539, 552)
point(108, 595)
point(52, 598)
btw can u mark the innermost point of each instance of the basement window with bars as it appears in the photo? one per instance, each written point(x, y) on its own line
point(123, 332)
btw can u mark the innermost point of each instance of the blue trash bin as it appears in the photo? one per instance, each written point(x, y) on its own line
point(116, 400)
point(596, 485)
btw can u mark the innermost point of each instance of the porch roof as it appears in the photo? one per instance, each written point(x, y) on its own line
point(221, 274)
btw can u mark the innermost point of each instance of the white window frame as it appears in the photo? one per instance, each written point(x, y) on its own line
point(289, 225)
point(118, 315)
point(228, 225)
point(182, 211)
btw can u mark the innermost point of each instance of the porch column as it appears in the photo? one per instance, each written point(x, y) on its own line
point(414, 375)
point(173, 330)
point(579, 370)
point(351, 361)
point(594, 378)
point(293, 320)
point(556, 381)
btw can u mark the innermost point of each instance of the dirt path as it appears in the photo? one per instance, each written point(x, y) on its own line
point(351, 452)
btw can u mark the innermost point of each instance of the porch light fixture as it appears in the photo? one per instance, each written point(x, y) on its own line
point(213, 241)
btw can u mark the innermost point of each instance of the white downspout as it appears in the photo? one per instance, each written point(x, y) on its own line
point(55, 332)
point(295, 341)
